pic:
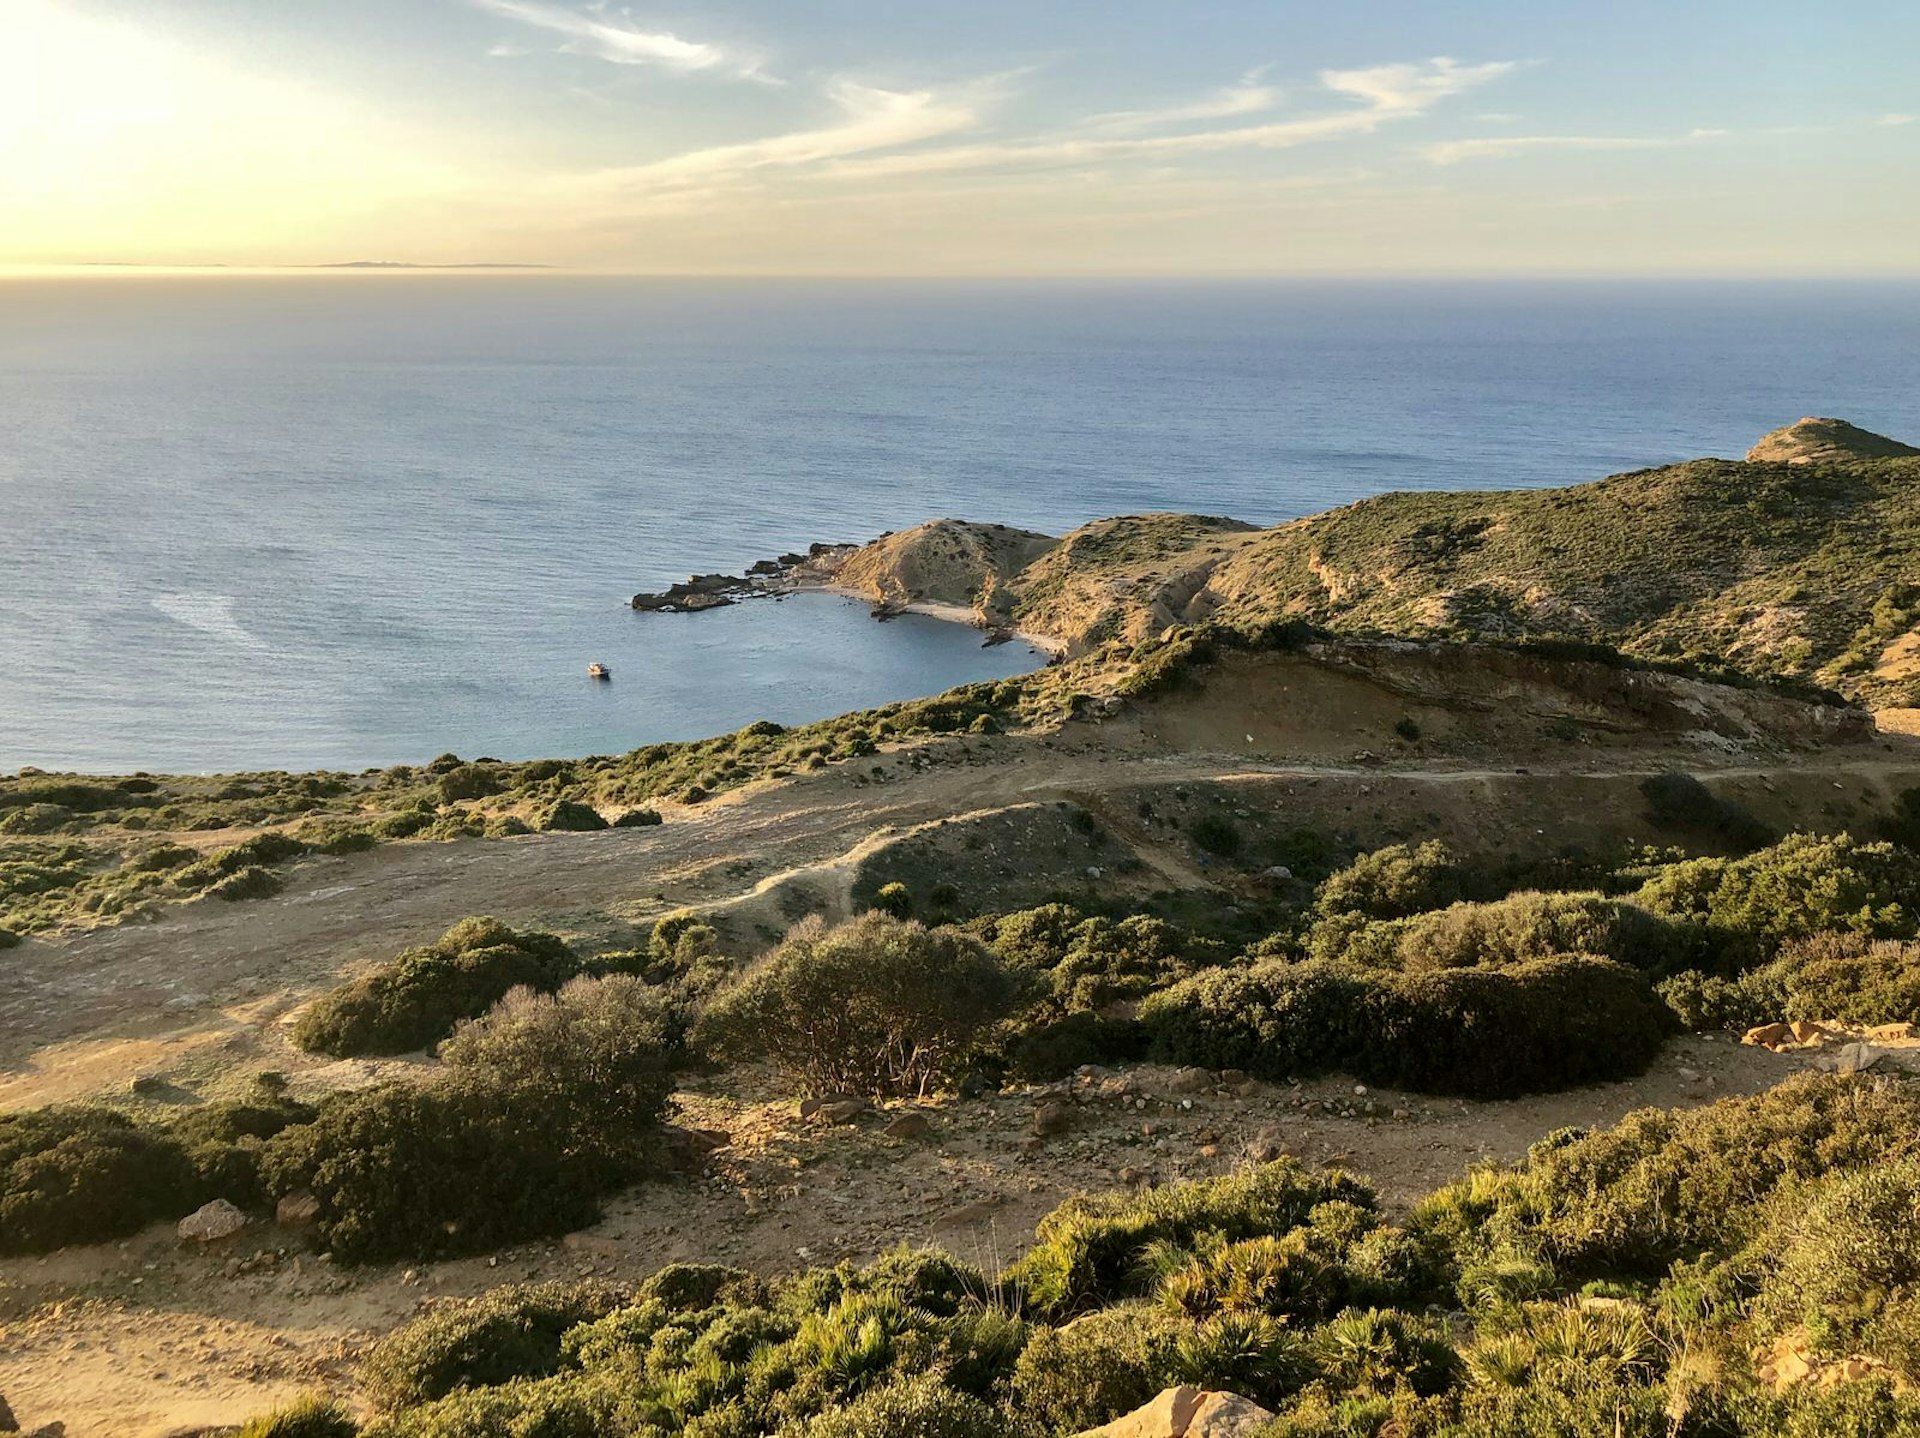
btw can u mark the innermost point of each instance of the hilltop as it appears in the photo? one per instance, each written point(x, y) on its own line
point(1794, 561)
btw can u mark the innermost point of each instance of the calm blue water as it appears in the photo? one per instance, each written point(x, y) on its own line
point(354, 520)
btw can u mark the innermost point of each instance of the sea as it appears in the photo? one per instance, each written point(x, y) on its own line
point(345, 520)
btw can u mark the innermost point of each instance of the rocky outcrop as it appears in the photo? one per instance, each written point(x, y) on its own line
point(1188, 1413)
point(1825, 441)
point(947, 562)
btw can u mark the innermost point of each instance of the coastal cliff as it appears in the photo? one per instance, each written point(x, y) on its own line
point(1797, 561)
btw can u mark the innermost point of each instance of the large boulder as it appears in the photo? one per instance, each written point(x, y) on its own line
point(1188, 1413)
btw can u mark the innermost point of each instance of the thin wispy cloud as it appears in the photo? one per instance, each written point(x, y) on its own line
point(1387, 93)
point(616, 39)
point(1251, 96)
point(872, 119)
point(1496, 147)
point(1896, 119)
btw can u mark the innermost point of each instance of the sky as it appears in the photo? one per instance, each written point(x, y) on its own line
point(999, 137)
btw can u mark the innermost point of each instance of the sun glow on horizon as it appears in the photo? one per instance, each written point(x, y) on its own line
point(121, 147)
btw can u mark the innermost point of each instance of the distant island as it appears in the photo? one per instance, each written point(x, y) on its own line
point(409, 265)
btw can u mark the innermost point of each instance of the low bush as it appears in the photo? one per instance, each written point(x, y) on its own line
point(72, 1175)
point(570, 816)
point(1848, 977)
point(1838, 1263)
point(1681, 803)
point(1528, 926)
point(638, 819)
point(312, 1417)
point(1662, 1186)
point(507, 1333)
point(546, 1105)
point(1094, 1251)
point(876, 1006)
point(86, 1175)
point(1804, 885)
point(1274, 1019)
point(921, 1407)
point(1550, 1024)
point(1094, 1368)
point(252, 882)
point(1535, 1026)
point(1396, 882)
point(416, 1000)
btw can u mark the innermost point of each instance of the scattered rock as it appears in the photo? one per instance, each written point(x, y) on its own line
point(1135, 1178)
point(1857, 1058)
point(908, 1126)
point(1191, 1081)
point(1235, 1078)
point(1265, 1147)
point(1188, 1413)
point(1768, 1036)
point(146, 1086)
point(1891, 1033)
point(811, 1108)
point(212, 1222)
point(297, 1210)
point(844, 1110)
point(1052, 1115)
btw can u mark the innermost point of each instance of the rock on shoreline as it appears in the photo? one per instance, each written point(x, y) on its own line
point(764, 578)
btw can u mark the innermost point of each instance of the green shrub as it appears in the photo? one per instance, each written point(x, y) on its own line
point(638, 819)
point(1850, 978)
point(9, 940)
point(1708, 1003)
point(1035, 939)
point(1682, 803)
point(910, 1408)
point(601, 1050)
point(893, 899)
point(1377, 1350)
point(252, 882)
point(569, 816)
point(416, 1000)
point(1107, 962)
point(1804, 885)
point(511, 1332)
point(1094, 1369)
point(1839, 1262)
point(1396, 882)
point(1661, 1186)
point(547, 1104)
point(86, 1175)
point(312, 1417)
point(1217, 834)
point(1094, 1250)
point(1250, 1354)
point(1275, 1019)
point(1551, 1024)
point(875, 1006)
point(1527, 926)
point(469, 781)
point(1535, 1026)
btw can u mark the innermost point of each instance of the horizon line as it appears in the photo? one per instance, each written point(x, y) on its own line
point(90, 269)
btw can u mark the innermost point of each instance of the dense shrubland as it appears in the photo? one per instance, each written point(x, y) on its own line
point(1633, 1281)
point(555, 1066)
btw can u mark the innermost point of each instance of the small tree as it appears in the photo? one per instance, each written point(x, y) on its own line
point(877, 1005)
